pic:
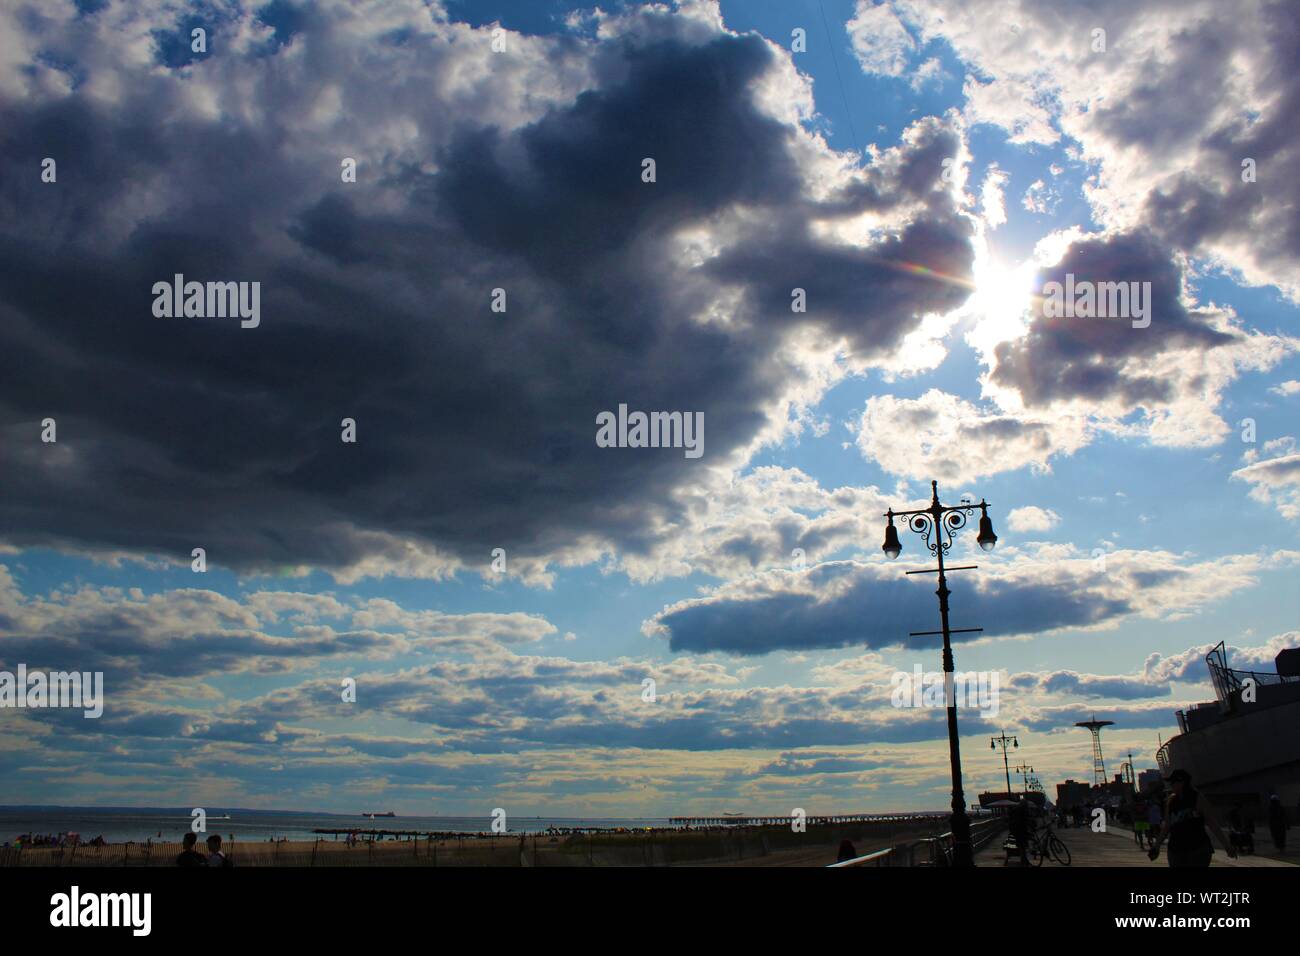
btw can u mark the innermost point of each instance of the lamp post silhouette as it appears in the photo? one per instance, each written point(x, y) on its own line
point(1004, 740)
point(936, 525)
point(1025, 772)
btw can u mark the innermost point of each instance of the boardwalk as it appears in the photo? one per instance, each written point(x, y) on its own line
point(1115, 848)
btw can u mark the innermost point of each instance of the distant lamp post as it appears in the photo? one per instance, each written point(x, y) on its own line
point(1004, 740)
point(936, 525)
point(1025, 772)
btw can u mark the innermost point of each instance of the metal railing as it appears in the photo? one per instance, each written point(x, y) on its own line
point(879, 858)
point(934, 851)
point(1228, 681)
point(1162, 758)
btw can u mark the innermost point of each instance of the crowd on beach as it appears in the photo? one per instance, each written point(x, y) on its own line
point(66, 838)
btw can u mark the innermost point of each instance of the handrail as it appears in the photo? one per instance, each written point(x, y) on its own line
point(982, 831)
point(865, 860)
point(1228, 680)
point(1162, 758)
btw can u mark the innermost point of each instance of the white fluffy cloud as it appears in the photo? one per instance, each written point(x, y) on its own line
point(880, 41)
point(1182, 94)
point(1275, 481)
point(941, 436)
point(1032, 518)
point(194, 632)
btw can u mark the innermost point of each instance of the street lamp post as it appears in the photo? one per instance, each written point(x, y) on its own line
point(936, 525)
point(1025, 771)
point(1005, 741)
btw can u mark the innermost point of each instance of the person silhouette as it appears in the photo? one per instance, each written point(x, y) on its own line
point(1185, 826)
point(1018, 824)
point(1277, 823)
point(215, 856)
point(188, 855)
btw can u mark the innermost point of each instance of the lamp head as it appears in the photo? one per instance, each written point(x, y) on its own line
point(987, 539)
point(891, 547)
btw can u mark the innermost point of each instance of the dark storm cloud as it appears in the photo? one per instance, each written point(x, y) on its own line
point(840, 604)
point(800, 763)
point(1072, 684)
point(767, 264)
point(1125, 717)
point(1065, 358)
point(475, 429)
point(128, 656)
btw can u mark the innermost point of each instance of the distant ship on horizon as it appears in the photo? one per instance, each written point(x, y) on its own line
point(372, 815)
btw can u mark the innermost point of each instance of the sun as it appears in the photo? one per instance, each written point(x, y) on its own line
point(1003, 293)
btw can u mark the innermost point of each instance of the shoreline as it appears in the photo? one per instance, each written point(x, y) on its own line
point(722, 845)
point(133, 830)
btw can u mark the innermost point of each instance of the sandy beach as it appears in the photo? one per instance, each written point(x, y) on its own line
point(716, 846)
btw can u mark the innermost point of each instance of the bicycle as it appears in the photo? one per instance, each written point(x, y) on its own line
point(1046, 843)
point(940, 853)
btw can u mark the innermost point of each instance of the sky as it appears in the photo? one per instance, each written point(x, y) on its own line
point(839, 260)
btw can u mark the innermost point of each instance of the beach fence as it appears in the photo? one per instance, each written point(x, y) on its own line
point(744, 844)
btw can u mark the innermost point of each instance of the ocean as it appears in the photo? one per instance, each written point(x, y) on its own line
point(120, 825)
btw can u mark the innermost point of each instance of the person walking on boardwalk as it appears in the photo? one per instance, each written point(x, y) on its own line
point(1185, 826)
point(1140, 825)
point(1154, 819)
point(1277, 823)
point(1018, 823)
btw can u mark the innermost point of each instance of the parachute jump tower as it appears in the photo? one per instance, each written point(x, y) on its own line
point(1098, 765)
